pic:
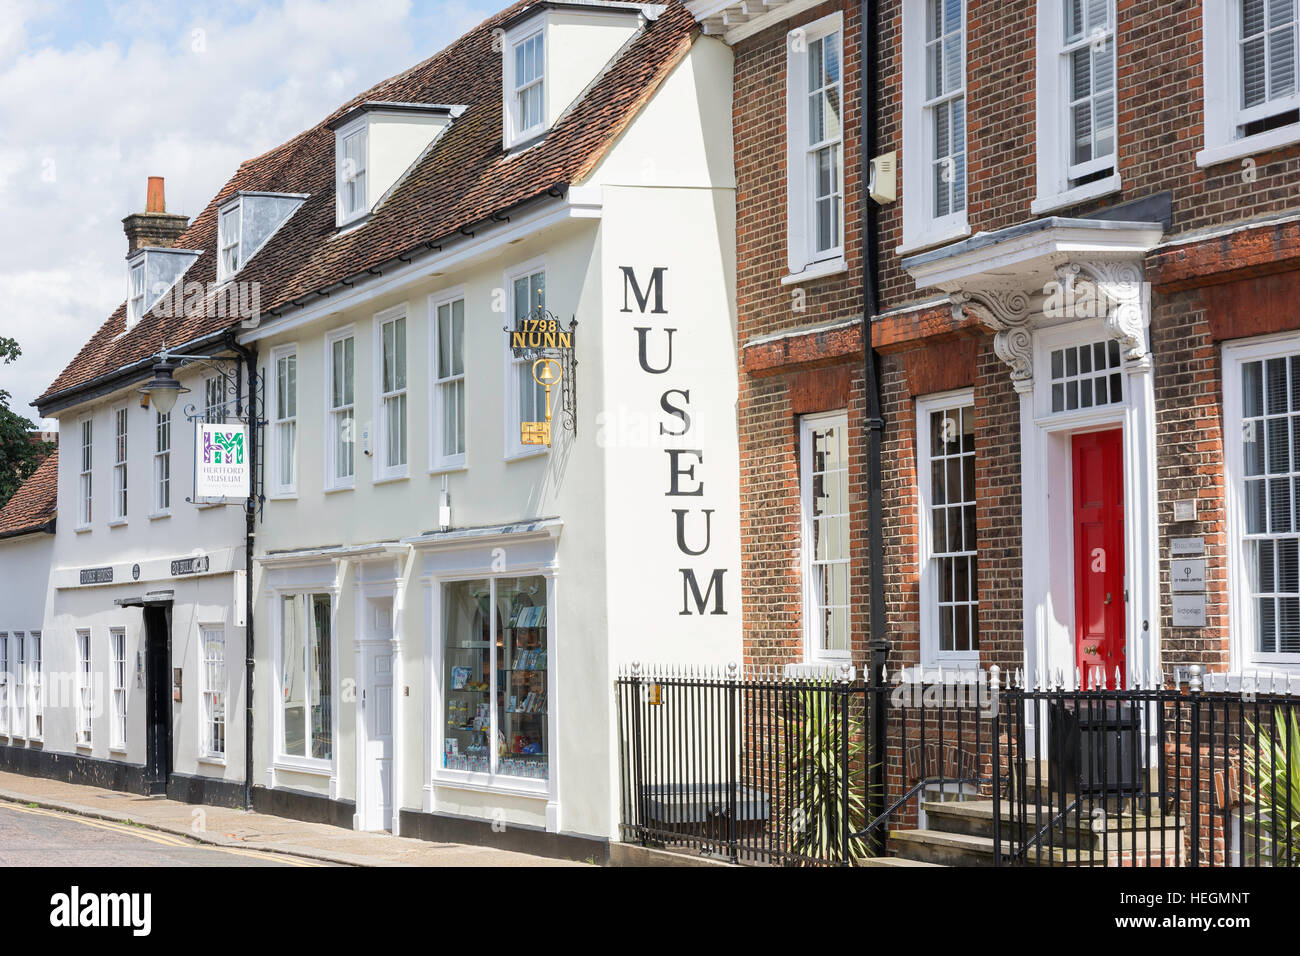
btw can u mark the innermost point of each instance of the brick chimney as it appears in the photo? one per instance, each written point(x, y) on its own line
point(155, 226)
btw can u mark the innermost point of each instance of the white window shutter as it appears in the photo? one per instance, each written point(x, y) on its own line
point(795, 172)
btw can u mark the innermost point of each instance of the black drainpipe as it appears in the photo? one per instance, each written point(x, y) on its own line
point(878, 645)
point(249, 355)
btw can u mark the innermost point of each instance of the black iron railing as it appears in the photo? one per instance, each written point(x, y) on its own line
point(773, 769)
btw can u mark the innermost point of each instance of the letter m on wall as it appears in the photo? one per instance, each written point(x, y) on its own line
point(691, 591)
point(632, 287)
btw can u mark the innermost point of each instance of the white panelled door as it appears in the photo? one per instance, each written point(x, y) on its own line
point(376, 770)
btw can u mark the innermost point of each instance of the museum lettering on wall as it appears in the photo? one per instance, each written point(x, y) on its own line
point(690, 524)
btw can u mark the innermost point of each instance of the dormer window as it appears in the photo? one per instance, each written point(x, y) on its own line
point(135, 297)
point(352, 174)
point(529, 113)
point(246, 223)
point(536, 88)
point(375, 144)
point(228, 241)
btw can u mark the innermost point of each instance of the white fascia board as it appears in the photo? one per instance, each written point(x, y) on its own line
point(965, 268)
point(489, 242)
point(773, 16)
point(477, 537)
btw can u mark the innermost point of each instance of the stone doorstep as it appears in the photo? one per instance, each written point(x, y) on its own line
point(306, 853)
point(981, 811)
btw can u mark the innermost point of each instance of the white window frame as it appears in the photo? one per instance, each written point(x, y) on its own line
point(438, 679)
point(162, 465)
point(335, 415)
point(284, 424)
point(514, 448)
point(228, 243)
point(214, 400)
point(5, 688)
point(344, 175)
point(1052, 115)
point(282, 760)
point(117, 677)
point(18, 671)
point(927, 574)
point(1241, 613)
point(35, 685)
point(121, 455)
point(86, 475)
point(136, 295)
point(511, 134)
point(804, 259)
point(439, 462)
point(397, 397)
point(921, 228)
point(1221, 92)
point(812, 638)
point(213, 694)
point(85, 689)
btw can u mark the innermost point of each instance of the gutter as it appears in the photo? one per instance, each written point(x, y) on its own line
point(45, 528)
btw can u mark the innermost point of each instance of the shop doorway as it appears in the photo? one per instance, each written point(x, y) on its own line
point(375, 786)
point(1099, 584)
point(158, 697)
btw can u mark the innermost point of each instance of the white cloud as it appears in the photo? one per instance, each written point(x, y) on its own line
point(184, 92)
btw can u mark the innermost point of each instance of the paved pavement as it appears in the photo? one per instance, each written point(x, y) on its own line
point(186, 834)
point(31, 836)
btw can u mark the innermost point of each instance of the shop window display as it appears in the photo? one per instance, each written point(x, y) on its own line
point(495, 667)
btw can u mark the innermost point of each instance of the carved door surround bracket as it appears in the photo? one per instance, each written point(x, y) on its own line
point(1008, 312)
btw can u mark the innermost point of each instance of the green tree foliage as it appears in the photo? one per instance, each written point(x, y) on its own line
point(19, 454)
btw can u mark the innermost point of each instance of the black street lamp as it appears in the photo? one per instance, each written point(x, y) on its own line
point(163, 389)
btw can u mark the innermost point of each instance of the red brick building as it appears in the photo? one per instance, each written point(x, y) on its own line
point(1088, 337)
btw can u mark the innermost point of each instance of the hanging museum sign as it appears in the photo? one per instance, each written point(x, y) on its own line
point(221, 467)
point(539, 338)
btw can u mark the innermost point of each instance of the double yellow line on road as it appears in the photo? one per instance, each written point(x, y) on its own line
point(156, 836)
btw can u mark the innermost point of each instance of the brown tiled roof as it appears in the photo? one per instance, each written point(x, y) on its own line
point(32, 507)
point(463, 180)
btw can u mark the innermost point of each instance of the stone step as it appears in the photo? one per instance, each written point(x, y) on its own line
point(975, 818)
point(895, 861)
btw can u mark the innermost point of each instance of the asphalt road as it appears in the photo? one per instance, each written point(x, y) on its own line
point(30, 836)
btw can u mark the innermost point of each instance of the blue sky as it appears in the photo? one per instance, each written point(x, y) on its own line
point(98, 95)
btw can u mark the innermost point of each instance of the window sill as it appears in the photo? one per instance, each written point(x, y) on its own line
point(1249, 146)
point(119, 751)
point(85, 748)
point(1071, 197)
point(335, 489)
point(315, 768)
point(117, 523)
point(927, 240)
point(212, 761)
point(389, 479)
point(487, 783)
point(449, 468)
point(159, 515)
point(526, 455)
point(83, 529)
point(817, 270)
point(282, 496)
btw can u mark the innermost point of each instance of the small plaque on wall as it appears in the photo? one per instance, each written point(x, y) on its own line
point(1189, 610)
point(1187, 574)
point(1179, 547)
point(176, 683)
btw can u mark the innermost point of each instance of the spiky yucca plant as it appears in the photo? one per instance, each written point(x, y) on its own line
point(817, 782)
point(1272, 770)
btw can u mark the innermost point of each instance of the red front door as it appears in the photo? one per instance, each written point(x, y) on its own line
point(1099, 554)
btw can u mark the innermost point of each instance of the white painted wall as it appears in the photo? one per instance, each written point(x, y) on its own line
point(666, 198)
point(152, 542)
point(24, 589)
